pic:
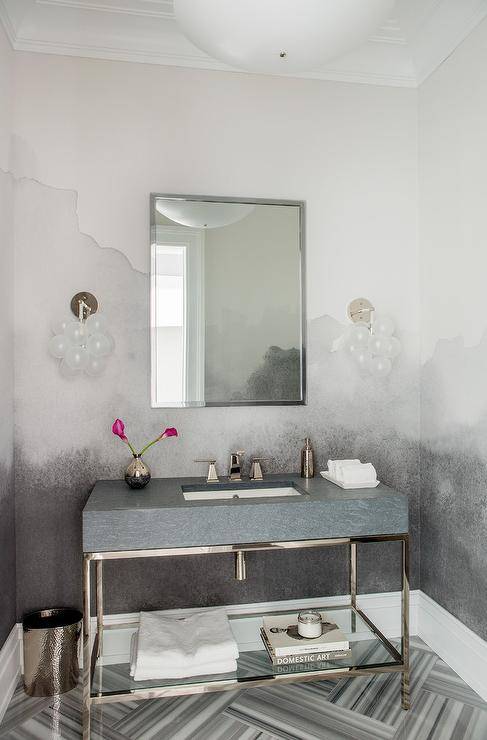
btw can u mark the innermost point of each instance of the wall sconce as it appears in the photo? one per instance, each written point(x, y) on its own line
point(369, 340)
point(84, 344)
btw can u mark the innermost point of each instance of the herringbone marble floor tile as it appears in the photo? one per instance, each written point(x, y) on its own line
point(365, 708)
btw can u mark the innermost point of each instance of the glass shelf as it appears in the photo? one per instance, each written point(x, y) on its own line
point(369, 651)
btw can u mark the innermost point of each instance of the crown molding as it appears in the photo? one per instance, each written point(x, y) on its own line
point(166, 9)
point(200, 62)
point(403, 53)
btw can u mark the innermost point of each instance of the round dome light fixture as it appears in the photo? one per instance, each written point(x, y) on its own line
point(203, 214)
point(279, 36)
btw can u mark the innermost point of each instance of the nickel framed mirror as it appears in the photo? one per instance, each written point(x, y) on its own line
point(227, 308)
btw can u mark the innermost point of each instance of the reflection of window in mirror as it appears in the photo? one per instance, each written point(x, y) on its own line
point(177, 320)
point(227, 302)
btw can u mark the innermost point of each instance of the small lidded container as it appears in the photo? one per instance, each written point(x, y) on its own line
point(309, 624)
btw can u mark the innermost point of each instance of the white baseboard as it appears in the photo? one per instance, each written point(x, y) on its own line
point(463, 650)
point(10, 662)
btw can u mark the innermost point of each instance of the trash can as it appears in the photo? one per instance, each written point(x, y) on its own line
point(51, 639)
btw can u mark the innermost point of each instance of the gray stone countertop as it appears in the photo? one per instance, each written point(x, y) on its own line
point(117, 518)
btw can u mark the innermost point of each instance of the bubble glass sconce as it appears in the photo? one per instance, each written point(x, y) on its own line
point(369, 340)
point(82, 345)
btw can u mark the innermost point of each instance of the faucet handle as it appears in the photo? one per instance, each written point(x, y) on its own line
point(256, 468)
point(212, 476)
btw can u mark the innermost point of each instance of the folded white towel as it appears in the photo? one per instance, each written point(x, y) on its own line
point(333, 465)
point(357, 474)
point(171, 647)
point(206, 669)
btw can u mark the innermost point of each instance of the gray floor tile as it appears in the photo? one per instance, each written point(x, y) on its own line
point(444, 681)
point(365, 708)
point(435, 717)
point(302, 712)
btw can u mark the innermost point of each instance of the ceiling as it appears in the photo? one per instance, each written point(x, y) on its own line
point(403, 52)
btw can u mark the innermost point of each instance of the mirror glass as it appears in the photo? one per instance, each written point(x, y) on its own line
point(227, 311)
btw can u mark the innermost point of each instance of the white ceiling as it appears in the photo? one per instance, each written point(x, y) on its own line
point(403, 52)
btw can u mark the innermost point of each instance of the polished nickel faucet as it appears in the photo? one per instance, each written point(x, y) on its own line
point(235, 467)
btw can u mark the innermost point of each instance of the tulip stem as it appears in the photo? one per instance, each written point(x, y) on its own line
point(132, 449)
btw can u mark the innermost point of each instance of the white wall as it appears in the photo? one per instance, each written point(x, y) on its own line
point(115, 132)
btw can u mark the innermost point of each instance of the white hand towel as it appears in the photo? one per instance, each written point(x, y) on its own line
point(168, 643)
point(207, 669)
point(359, 474)
point(333, 465)
point(343, 465)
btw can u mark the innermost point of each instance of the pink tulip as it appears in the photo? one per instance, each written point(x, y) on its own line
point(118, 428)
point(169, 432)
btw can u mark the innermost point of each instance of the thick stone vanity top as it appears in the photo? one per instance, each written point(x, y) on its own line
point(117, 518)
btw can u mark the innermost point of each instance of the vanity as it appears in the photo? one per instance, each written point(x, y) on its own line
point(178, 517)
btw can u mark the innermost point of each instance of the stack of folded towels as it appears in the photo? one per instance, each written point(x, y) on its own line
point(352, 472)
point(178, 647)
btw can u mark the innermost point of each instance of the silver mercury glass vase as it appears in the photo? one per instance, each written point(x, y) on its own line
point(137, 474)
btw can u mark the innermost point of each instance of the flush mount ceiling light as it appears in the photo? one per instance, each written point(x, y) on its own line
point(279, 36)
point(203, 215)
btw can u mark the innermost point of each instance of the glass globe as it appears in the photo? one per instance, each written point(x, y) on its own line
point(98, 345)
point(380, 367)
point(359, 334)
point(76, 357)
point(379, 345)
point(96, 366)
point(393, 347)
point(383, 325)
point(76, 333)
point(59, 327)
point(362, 358)
point(95, 324)
point(58, 345)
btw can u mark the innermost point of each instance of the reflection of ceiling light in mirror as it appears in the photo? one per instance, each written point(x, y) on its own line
point(279, 36)
point(203, 215)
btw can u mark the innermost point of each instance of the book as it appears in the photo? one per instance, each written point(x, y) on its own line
point(282, 634)
point(303, 659)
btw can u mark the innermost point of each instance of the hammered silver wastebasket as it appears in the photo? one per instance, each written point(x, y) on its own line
point(51, 639)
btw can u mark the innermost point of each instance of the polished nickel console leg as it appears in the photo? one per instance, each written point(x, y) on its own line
point(353, 582)
point(405, 699)
point(86, 649)
point(99, 604)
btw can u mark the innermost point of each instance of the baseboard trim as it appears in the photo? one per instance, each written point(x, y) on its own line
point(10, 662)
point(463, 650)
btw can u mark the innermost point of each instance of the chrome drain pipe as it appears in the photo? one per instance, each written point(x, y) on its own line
point(240, 566)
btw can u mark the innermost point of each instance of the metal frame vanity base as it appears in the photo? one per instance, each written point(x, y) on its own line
point(92, 653)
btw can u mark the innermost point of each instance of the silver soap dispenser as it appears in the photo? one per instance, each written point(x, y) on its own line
point(307, 460)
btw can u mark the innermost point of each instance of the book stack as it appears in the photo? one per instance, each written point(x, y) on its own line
point(286, 647)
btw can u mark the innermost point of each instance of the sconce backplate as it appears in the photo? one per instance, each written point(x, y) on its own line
point(360, 310)
point(90, 307)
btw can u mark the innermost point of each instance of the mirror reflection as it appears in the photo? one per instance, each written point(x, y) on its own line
point(226, 302)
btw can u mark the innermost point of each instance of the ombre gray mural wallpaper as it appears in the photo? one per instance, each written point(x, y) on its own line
point(64, 444)
point(360, 185)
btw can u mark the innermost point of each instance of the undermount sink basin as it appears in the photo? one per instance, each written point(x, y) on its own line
point(239, 490)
